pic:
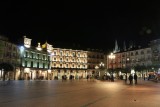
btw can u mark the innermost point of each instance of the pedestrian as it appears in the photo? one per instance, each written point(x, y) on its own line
point(144, 77)
point(87, 77)
point(130, 78)
point(149, 76)
point(126, 78)
point(135, 78)
point(112, 78)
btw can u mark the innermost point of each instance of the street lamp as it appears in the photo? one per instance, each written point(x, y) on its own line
point(101, 72)
point(97, 72)
point(101, 65)
point(112, 57)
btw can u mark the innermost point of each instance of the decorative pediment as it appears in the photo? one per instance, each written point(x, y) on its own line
point(48, 47)
point(27, 42)
point(39, 47)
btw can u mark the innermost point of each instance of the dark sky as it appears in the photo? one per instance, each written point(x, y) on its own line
point(92, 24)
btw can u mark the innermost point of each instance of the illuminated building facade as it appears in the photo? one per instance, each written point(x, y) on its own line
point(131, 59)
point(69, 62)
point(35, 61)
point(46, 62)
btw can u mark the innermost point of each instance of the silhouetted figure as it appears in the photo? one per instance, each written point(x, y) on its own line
point(112, 78)
point(125, 78)
point(135, 78)
point(130, 78)
point(87, 77)
point(149, 77)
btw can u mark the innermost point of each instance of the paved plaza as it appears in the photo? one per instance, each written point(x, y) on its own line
point(79, 93)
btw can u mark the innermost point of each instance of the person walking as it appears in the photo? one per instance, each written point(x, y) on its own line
point(112, 78)
point(125, 78)
point(87, 77)
point(130, 78)
point(135, 78)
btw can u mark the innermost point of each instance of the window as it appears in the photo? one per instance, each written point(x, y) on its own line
point(61, 53)
point(67, 54)
point(142, 52)
point(78, 54)
point(61, 59)
point(37, 64)
point(48, 66)
point(54, 65)
point(54, 53)
point(43, 57)
point(32, 54)
point(37, 56)
point(131, 53)
point(148, 51)
point(26, 54)
point(73, 54)
point(25, 63)
point(48, 58)
point(31, 63)
point(43, 65)
point(61, 65)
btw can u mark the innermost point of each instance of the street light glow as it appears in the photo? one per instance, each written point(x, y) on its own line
point(111, 56)
point(101, 64)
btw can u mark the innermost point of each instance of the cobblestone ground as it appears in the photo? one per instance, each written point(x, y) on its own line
point(79, 93)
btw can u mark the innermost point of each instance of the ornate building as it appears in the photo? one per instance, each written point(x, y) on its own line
point(35, 61)
point(46, 62)
point(69, 62)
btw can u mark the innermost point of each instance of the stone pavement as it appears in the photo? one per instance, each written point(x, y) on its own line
point(80, 93)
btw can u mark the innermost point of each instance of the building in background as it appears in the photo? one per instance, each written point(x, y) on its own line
point(47, 62)
point(9, 58)
point(96, 63)
point(135, 60)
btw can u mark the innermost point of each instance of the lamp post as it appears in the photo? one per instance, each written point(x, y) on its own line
point(101, 66)
point(112, 57)
point(97, 73)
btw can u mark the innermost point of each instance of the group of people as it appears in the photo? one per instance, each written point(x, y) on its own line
point(131, 78)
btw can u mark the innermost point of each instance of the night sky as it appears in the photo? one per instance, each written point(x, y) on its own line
point(76, 24)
